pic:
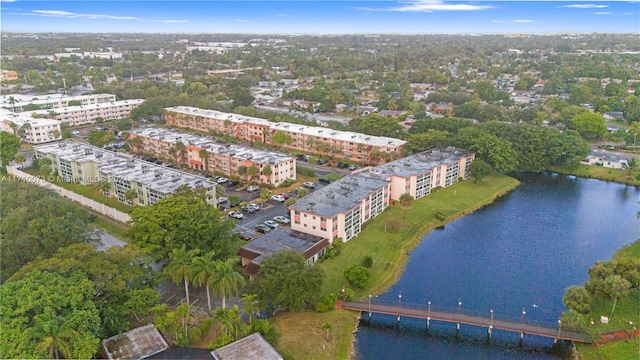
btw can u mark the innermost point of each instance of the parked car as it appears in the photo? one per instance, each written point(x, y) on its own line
point(75, 132)
point(281, 219)
point(285, 195)
point(255, 207)
point(232, 183)
point(325, 180)
point(245, 237)
point(279, 198)
point(236, 215)
point(342, 165)
point(253, 188)
point(247, 209)
point(309, 184)
point(353, 167)
point(272, 224)
point(261, 228)
point(301, 157)
point(222, 199)
point(222, 180)
point(322, 161)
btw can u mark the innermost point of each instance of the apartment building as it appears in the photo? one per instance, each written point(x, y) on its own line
point(228, 159)
point(17, 102)
point(88, 164)
point(89, 114)
point(339, 209)
point(354, 147)
point(8, 75)
point(30, 129)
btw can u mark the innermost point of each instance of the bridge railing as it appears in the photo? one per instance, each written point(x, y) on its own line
point(454, 310)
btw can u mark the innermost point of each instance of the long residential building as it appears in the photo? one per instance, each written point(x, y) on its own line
point(228, 159)
point(30, 129)
point(339, 209)
point(89, 114)
point(88, 164)
point(353, 147)
point(17, 102)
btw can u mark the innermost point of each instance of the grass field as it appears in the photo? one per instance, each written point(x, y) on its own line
point(389, 249)
point(303, 338)
point(601, 173)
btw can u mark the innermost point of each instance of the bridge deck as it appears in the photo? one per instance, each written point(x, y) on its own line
point(451, 317)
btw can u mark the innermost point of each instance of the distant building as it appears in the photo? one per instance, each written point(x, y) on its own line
point(8, 75)
point(139, 343)
point(16, 102)
point(278, 240)
point(88, 164)
point(252, 347)
point(34, 130)
point(89, 114)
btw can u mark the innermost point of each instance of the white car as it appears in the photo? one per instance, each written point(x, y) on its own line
point(253, 188)
point(272, 224)
point(309, 184)
point(222, 180)
point(222, 199)
point(75, 132)
point(282, 219)
point(236, 215)
point(279, 198)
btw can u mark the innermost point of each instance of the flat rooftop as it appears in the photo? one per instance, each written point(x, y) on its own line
point(139, 343)
point(104, 105)
point(420, 163)
point(22, 99)
point(252, 347)
point(340, 196)
point(294, 128)
point(163, 179)
point(213, 146)
point(282, 239)
point(24, 118)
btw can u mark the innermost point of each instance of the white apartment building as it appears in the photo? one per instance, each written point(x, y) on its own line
point(88, 114)
point(16, 102)
point(88, 164)
point(32, 130)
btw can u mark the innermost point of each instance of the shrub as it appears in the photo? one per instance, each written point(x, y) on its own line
point(347, 294)
point(357, 275)
point(327, 303)
point(394, 225)
point(287, 183)
point(440, 216)
point(367, 262)
point(265, 329)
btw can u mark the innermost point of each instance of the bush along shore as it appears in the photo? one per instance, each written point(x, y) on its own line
point(376, 258)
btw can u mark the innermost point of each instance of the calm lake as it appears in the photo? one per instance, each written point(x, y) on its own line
point(519, 253)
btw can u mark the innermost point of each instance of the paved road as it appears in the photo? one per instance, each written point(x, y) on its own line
point(596, 151)
point(107, 241)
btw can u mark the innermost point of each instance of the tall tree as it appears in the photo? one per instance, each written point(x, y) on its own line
point(615, 287)
point(226, 281)
point(577, 298)
point(249, 305)
point(179, 267)
point(54, 335)
point(406, 203)
point(202, 270)
point(9, 146)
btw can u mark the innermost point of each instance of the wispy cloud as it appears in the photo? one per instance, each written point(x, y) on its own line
point(72, 15)
point(283, 15)
point(244, 21)
point(430, 6)
point(585, 6)
point(602, 13)
point(7, 0)
point(521, 21)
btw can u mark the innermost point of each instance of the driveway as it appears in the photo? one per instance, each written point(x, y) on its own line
point(107, 241)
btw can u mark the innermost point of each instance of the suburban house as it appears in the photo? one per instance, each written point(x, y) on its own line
point(278, 240)
point(226, 158)
point(252, 347)
point(139, 343)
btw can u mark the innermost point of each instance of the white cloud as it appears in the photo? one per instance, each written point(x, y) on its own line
point(627, 13)
point(244, 21)
point(72, 15)
point(430, 6)
point(586, 6)
point(602, 13)
point(7, 0)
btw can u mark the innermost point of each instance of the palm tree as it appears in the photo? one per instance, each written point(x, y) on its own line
point(52, 334)
point(183, 311)
point(226, 280)
point(630, 165)
point(12, 102)
point(104, 186)
point(221, 316)
point(130, 194)
point(327, 327)
point(179, 267)
point(202, 269)
point(136, 143)
point(250, 305)
point(20, 159)
point(242, 171)
point(406, 202)
point(180, 148)
point(204, 155)
point(252, 171)
point(616, 286)
point(267, 171)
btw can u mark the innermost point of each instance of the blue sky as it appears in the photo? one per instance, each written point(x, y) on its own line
point(322, 17)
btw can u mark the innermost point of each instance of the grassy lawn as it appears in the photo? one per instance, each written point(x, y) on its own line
point(389, 249)
point(92, 192)
point(334, 176)
point(303, 338)
point(110, 226)
point(627, 310)
point(601, 173)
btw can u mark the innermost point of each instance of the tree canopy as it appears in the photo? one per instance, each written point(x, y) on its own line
point(9, 146)
point(285, 280)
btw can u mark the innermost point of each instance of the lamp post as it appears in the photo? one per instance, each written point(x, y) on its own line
point(491, 323)
point(559, 329)
point(459, 306)
point(522, 317)
point(429, 309)
point(369, 305)
point(400, 300)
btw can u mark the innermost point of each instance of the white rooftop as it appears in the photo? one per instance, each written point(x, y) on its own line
point(24, 118)
point(21, 99)
point(72, 109)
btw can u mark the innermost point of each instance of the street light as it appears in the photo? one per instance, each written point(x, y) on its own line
point(559, 328)
point(400, 300)
point(459, 306)
point(522, 317)
point(369, 305)
point(491, 324)
point(429, 309)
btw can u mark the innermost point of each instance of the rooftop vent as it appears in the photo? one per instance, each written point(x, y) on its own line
point(367, 138)
point(157, 173)
point(130, 164)
point(330, 194)
point(333, 133)
point(390, 141)
point(175, 177)
point(406, 163)
point(88, 151)
point(301, 129)
point(353, 136)
point(76, 147)
point(98, 155)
